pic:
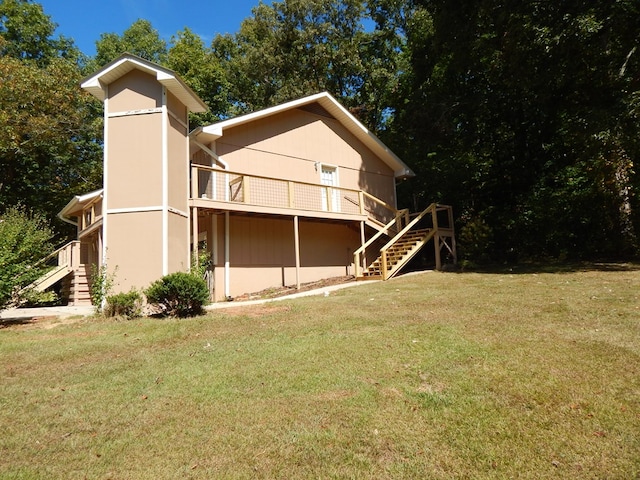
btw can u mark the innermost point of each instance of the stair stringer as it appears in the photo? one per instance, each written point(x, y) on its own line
point(410, 254)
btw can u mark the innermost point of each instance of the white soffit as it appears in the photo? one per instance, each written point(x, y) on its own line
point(331, 105)
point(78, 202)
point(95, 84)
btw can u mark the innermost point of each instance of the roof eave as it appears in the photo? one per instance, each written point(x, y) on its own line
point(74, 202)
point(96, 83)
point(400, 169)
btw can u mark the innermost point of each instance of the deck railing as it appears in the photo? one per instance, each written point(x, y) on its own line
point(234, 187)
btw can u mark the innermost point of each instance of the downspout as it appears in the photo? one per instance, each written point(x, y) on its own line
point(65, 219)
point(165, 183)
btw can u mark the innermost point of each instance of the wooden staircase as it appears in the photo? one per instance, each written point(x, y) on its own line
point(405, 242)
point(68, 269)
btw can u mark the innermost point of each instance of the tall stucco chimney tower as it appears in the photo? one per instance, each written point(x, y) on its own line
point(146, 169)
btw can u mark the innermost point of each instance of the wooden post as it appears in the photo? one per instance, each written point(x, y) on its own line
point(296, 239)
point(291, 194)
point(356, 256)
point(194, 182)
point(383, 266)
point(246, 195)
point(361, 201)
point(194, 242)
point(436, 238)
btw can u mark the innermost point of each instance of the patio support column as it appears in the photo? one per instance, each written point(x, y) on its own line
point(296, 240)
point(363, 240)
point(194, 241)
point(227, 287)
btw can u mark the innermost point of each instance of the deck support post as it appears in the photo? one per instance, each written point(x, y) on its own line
point(296, 240)
point(436, 238)
point(194, 241)
point(361, 266)
point(227, 287)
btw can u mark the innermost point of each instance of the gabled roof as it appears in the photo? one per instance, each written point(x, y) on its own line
point(95, 84)
point(328, 106)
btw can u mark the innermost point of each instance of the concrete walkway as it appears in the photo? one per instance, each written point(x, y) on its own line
point(66, 312)
point(39, 312)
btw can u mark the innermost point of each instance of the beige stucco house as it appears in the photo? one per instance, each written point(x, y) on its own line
point(287, 195)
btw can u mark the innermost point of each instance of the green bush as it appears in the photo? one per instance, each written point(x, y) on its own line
point(179, 294)
point(33, 298)
point(25, 238)
point(128, 305)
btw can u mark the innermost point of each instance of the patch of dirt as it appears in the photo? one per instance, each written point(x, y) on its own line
point(38, 322)
point(282, 291)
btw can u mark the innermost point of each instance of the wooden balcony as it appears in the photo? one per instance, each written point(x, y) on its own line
point(225, 190)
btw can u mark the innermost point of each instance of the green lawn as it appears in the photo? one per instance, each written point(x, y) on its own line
point(436, 375)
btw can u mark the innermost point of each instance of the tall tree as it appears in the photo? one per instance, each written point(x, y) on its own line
point(294, 48)
point(50, 135)
point(522, 115)
point(202, 71)
point(139, 39)
point(28, 33)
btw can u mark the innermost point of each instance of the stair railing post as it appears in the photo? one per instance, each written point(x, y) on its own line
point(383, 266)
point(194, 182)
point(436, 238)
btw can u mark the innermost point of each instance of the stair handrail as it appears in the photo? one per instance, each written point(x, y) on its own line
point(356, 255)
point(409, 226)
point(55, 253)
point(400, 234)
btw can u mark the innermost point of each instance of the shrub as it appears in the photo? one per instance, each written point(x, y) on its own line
point(25, 238)
point(100, 285)
point(128, 305)
point(179, 294)
point(33, 298)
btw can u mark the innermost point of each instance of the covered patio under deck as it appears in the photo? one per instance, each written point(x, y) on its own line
point(272, 232)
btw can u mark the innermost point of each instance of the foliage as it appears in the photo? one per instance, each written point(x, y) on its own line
point(26, 33)
point(51, 131)
point(287, 50)
point(179, 294)
point(127, 305)
point(25, 238)
point(202, 262)
point(34, 298)
point(100, 285)
point(139, 39)
point(199, 68)
point(524, 115)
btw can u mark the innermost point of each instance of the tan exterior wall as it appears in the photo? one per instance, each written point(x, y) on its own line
point(291, 146)
point(134, 253)
point(135, 161)
point(137, 241)
point(262, 252)
point(178, 243)
point(178, 145)
point(134, 91)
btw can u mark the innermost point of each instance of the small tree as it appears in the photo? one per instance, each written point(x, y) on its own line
point(179, 294)
point(25, 238)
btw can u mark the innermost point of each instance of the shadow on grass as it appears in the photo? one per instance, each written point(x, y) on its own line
point(527, 268)
point(15, 321)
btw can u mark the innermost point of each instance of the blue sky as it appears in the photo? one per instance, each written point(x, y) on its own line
point(85, 20)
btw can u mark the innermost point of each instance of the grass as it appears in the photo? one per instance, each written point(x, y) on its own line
point(492, 375)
